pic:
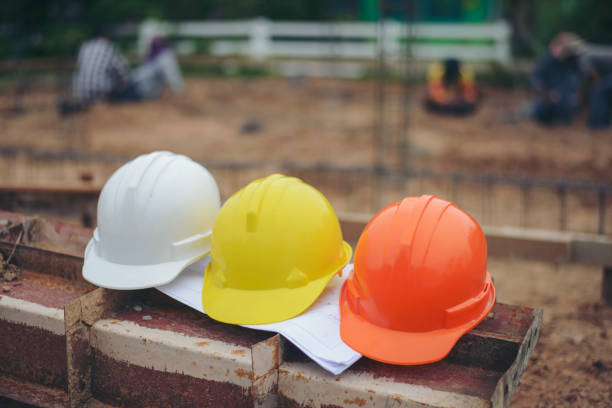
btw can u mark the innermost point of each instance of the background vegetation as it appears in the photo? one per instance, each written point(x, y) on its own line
point(56, 27)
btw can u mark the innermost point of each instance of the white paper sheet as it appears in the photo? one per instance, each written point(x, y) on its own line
point(316, 331)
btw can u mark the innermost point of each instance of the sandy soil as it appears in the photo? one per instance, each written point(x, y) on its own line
point(324, 121)
point(271, 121)
point(572, 362)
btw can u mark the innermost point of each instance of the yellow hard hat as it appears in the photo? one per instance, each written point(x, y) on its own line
point(276, 243)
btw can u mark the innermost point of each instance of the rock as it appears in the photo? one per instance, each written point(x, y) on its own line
point(138, 308)
point(251, 126)
point(6, 288)
point(9, 272)
point(147, 317)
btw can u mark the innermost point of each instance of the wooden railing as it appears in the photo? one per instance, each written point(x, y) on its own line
point(261, 39)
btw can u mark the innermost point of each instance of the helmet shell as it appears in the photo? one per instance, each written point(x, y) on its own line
point(278, 238)
point(156, 209)
point(420, 268)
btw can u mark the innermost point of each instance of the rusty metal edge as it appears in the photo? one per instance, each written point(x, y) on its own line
point(32, 394)
point(79, 316)
point(47, 189)
point(509, 382)
point(534, 244)
point(84, 311)
point(46, 261)
point(266, 357)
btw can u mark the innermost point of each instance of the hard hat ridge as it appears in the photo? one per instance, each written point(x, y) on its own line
point(430, 288)
point(275, 245)
point(258, 195)
point(138, 178)
point(155, 216)
point(143, 165)
point(406, 219)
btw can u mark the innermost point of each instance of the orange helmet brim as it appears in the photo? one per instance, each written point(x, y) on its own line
point(399, 347)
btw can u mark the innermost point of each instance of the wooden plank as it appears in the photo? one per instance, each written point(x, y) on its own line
point(64, 202)
point(466, 52)
point(483, 369)
point(51, 235)
point(498, 31)
point(8, 219)
point(353, 30)
point(178, 355)
point(263, 38)
point(540, 245)
point(591, 249)
point(48, 262)
point(213, 29)
point(32, 394)
point(352, 225)
point(348, 50)
point(350, 30)
point(511, 378)
point(33, 346)
point(58, 189)
point(32, 342)
point(79, 316)
point(606, 286)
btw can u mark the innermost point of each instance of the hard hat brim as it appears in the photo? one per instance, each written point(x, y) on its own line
point(235, 306)
point(399, 347)
point(110, 275)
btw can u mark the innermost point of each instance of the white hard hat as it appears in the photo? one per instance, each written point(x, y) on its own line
point(155, 217)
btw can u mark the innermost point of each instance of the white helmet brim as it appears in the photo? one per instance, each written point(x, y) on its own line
point(110, 275)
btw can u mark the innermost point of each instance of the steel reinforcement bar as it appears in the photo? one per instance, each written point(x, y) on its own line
point(382, 176)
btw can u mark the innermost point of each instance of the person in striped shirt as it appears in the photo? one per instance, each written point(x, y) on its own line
point(102, 71)
point(103, 74)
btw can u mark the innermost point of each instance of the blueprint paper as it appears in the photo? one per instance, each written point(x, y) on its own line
point(316, 331)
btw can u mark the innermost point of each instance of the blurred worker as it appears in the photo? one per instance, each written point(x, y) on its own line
point(101, 71)
point(596, 62)
point(160, 69)
point(103, 74)
point(451, 88)
point(556, 79)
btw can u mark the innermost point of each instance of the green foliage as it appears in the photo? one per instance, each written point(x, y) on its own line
point(56, 27)
point(535, 23)
point(591, 19)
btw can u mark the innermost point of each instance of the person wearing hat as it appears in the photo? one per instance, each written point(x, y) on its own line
point(556, 79)
point(451, 88)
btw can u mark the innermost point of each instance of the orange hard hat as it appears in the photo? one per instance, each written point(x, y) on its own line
point(419, 283)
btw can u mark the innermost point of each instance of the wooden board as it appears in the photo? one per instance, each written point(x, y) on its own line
point(102, 351)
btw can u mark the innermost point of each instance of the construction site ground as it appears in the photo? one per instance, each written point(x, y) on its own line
point(309, 121)
point(315, 121)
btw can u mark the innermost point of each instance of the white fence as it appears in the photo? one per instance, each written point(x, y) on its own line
point(261, 39)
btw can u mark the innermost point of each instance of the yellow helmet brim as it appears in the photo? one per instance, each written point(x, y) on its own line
point(238, 306)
